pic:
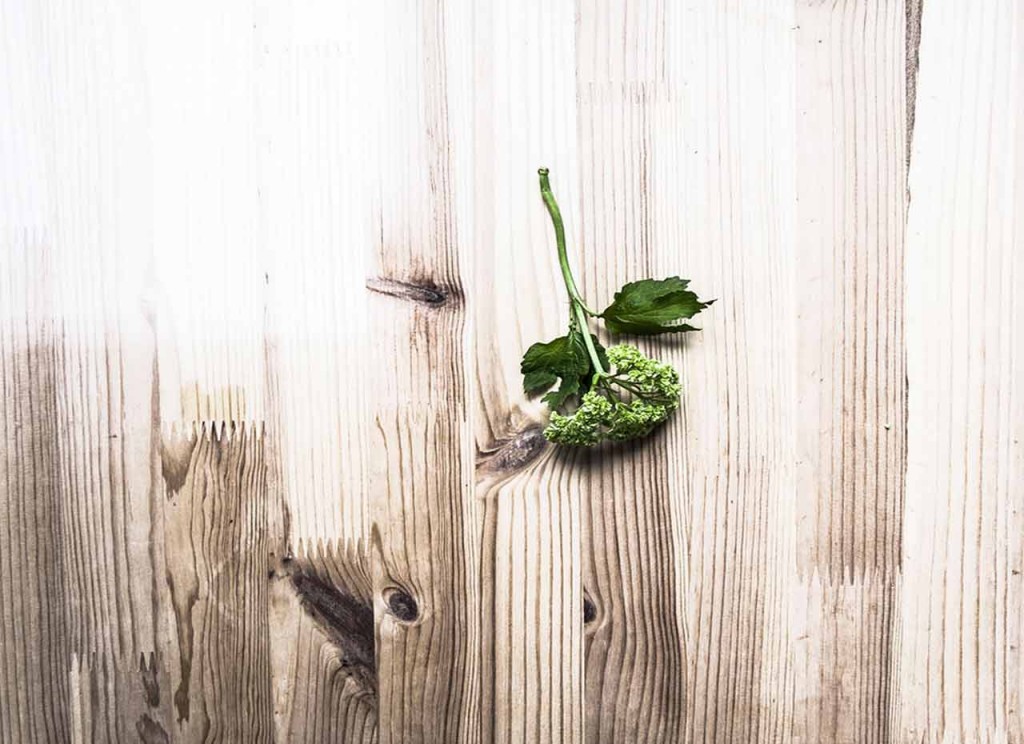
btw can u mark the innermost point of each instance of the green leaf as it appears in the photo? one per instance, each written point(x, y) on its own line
point(557, 398)
point(538, 381)
point(653, 306)
point(564, 358)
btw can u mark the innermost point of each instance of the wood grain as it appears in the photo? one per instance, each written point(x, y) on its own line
point(959, 650)
point(424, 542)
point(266, 275)
point(214, 535)
point(722, 214)
point(529, 501)
point(850, 393)
point(632, 544)
point(33, 639)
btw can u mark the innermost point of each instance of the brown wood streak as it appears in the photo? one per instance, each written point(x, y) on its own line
point(425, 543)
point(531, 639)
point(912, 44)
point(215, 544)
point(635, 661)
point(34, 642)
point(851, 193)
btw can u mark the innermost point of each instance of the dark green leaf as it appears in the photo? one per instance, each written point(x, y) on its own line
point(652, 306)
point(538, 381)
point(557, 398)
point(564, 358)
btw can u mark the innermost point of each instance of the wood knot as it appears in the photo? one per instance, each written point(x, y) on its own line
point(516, 453)
point(589, 611)
point(424, 292)
point(401, 605)
point(346, 619)
point(150, 731)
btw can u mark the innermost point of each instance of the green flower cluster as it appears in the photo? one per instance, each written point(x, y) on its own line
point(626, 403)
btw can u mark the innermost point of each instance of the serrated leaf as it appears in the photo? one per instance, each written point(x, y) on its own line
point(564, 358)
point(653, 306)
point(557, 398)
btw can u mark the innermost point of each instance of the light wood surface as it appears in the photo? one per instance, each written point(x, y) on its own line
point(267, 270)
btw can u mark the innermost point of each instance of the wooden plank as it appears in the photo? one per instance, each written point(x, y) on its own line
point(72, 230)
point(850, 392)
point(959, 648)
point(314, 99)
point(34, 642)
point(217, 604)
point(424, 547)
point(633, 535)
point(523, 106)
point(723, 197)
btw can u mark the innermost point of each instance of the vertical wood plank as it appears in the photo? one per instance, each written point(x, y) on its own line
point(523, 117)
point(215, 547)
point(723, 215)
point(850, 392)
point(636, 668)
point(314, 102)
point(425, 542)
point(959, 653)
point(82, 216)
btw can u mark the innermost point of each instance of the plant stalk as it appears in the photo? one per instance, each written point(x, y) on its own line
point(578, 308)
point(563, 257)
point(581, 317)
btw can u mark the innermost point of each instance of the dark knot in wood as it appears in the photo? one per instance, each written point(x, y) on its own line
point(424, 293)
point(151, 732)
point(516, 453)
point(401, 605)
point(347, 620)
point(589, 611)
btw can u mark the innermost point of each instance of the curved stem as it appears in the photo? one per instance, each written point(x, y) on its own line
point(563, 258)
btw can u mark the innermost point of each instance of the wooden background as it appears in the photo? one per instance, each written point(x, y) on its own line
point(266, 272)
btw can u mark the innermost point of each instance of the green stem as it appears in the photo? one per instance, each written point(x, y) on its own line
point(563, 258)
point(581, 317)
point(578, 308)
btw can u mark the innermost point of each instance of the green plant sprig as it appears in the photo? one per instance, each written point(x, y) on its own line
point(617, 393)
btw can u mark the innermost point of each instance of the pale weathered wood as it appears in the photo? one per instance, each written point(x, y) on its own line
point(266, 275)
point(424, 544)
point(632, 537)
point(531, 595)
point(850, 414)
point(959, 649)
point(723, 203)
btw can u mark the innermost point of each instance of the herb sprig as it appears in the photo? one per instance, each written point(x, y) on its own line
point(616, 394)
